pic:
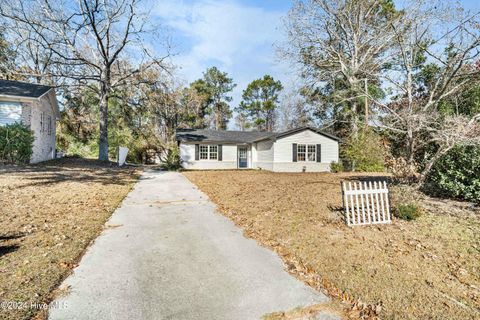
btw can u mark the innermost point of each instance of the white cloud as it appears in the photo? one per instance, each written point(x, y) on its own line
point(235, 37)
point(225, 33)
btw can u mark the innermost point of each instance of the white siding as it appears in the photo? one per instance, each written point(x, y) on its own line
point(264, 155)
point(283, 153)
point(44, 143)
point(229, 158)
point(10, 112)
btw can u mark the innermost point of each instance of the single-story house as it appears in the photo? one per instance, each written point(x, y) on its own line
point(35, 106)
point(303, 149)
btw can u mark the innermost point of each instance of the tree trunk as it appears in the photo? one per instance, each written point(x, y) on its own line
point(103, 141)
point(430, 164)
point(354, 119)
point(410, 147)
point(218, 117)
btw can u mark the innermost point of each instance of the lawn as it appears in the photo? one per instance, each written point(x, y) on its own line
point(428, 268)
point(49, 214)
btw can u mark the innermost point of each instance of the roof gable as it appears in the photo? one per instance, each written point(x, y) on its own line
point(297, 130)
point(22, 89)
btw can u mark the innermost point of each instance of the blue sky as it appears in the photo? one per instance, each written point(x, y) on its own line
point(237, 36)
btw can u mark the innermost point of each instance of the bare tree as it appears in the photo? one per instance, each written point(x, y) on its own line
point(428, 69)
point(294, 110)
point(341, 41)
point(33, 61)
point(87, 40)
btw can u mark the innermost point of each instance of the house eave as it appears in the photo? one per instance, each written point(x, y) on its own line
point(9, 98)
point(214, 141)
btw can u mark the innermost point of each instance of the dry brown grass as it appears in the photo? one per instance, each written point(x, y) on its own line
point(49, 215)
point(424, 269)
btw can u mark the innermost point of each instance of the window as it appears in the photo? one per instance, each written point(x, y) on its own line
point(42, 116)
point(10, 112)
point(213, 152)
point(301, 149)
point(312, 152)
point(203, 152)
point(307, 152)
point(49, 126)
point(207, 152)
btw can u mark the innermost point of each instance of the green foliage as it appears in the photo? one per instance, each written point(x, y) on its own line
point(172, 160)
point(364, 153)
point(215, 87)
point(129, 126)
point(260, 101)
point(336, 167)
point(457, 174)
point(466, 102)
point(410, 211)
point(16, 143)
point(81, 149)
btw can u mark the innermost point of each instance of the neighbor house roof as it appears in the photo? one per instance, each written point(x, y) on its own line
point(22, 89)
point(203, 135)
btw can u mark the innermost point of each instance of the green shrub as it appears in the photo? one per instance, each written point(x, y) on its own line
point(172, 160)
point(456, 175)
point(16, 143)
point(407, 212)
point(364, 153)
point(336, 167)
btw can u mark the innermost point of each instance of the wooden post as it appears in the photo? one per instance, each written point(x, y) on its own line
point(366, 104)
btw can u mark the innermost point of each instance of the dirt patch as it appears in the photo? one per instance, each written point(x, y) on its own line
point(49, 214)
point(424, 269)
point(312, 312)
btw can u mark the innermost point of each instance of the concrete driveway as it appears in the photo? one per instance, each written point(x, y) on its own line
point(169, 255)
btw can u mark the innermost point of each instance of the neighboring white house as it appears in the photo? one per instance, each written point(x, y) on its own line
point(303, 149)
point(36, 107)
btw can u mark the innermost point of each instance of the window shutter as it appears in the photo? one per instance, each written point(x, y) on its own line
point(220, 153)
point(319, 153)
point(294, 152)
point(197, 152)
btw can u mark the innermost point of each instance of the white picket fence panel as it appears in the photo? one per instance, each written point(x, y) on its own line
point(366, 203)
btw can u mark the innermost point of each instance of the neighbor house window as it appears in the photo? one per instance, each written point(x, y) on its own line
point(307, 152)
point(49, 126)
point(42, 120)
point(203, 152)
point(10, 112)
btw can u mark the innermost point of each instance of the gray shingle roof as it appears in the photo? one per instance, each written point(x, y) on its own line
point(22, 89)
point(204, 135)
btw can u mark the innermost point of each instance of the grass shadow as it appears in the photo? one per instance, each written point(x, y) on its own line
point(12, 236)
point(366, 178)
point(8, 249)
point(70, 169)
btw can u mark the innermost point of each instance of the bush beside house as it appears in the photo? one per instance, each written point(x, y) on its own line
point(16, 143)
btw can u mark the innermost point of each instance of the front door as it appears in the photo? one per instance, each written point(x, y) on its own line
point(242, 157)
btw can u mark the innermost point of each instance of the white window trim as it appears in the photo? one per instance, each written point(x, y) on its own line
point(209, 152)
point(306, 152)
point(200, 152)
